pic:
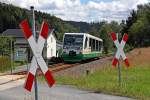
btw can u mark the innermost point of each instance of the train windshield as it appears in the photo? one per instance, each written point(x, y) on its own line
point(73, 40)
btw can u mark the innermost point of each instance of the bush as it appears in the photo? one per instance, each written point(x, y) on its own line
point(5, 63)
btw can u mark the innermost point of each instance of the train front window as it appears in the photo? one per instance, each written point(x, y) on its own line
point(73, 40)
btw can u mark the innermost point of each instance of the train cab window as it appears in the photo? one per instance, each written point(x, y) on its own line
point(85, 45)
point(73, 40)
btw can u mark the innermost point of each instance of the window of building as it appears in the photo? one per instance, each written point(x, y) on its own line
point(20, 53)
point(51, 39)
point(51, 52)
point(90, 43)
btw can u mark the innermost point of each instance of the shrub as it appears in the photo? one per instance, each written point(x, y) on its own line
point(5, 63)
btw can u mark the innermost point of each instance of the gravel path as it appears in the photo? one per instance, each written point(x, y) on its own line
point(83, 69)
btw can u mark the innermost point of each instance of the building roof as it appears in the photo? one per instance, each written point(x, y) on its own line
point(14, 33)
point(18, 33)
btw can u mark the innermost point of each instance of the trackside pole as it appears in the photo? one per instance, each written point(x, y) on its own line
point(119, 73)
point(33, 29)
point(119, 53)
point(119, 66)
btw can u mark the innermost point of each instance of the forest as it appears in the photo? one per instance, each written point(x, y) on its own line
point(137, 25)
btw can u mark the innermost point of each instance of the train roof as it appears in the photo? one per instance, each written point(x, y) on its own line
point(93, 37)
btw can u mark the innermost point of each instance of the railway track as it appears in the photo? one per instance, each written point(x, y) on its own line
point(54, 68)
point(61, 66)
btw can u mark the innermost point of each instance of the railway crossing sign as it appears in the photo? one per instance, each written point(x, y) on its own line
point(37, 59)
point(120, 47)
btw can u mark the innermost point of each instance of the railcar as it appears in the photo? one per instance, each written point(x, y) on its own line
point(81, 46)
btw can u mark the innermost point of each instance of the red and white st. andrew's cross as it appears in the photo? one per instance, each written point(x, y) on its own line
point(120, 47)
point(37, 59)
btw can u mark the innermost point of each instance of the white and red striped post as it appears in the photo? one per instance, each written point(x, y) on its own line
point(37, 51)
point(120, 47)
point(119, 53)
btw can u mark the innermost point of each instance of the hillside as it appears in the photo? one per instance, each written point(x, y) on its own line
point(82, 26)
point(11, 16)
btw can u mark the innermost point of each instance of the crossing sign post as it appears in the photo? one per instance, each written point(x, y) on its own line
point(37, 59)
point(119, 53)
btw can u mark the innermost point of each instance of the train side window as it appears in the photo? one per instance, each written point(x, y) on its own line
point(100, 45)
point(85, 46)
point(94, 45)
point(97, 46)
point(90, 43)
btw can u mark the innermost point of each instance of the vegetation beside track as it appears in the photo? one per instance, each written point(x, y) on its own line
point(135, 80)
point(5, 63)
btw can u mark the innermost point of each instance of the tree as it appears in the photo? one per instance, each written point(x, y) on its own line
point(5, 43)
point(138, 26)
point(105, 35)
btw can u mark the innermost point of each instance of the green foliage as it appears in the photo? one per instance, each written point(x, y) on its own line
point(5, 63)
point(5, 43)
point(103, 30)
point(138, 26)
point(11, 16)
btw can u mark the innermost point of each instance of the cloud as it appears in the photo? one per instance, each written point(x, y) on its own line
point(77, 11)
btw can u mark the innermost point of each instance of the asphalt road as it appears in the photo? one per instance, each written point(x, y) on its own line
point(15, 91)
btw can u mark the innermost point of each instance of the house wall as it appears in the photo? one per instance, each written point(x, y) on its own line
point(20, 54)
point(51, 46)
point(20, 50)
point(21, 41)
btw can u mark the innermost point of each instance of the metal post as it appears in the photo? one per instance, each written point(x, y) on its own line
point(126, 73)
point(27, 59)
point(119, 73)
point(33, 30)
point(119, 66)
point(11, 54)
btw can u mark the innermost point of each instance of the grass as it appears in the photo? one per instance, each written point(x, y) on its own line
point(5, 64)
point(135, 80)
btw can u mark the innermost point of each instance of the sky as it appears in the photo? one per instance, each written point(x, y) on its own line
point(82, 10)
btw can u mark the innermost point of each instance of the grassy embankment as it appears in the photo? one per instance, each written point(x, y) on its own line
point(135, 80)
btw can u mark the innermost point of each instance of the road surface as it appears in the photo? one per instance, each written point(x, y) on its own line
point(15, 91)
